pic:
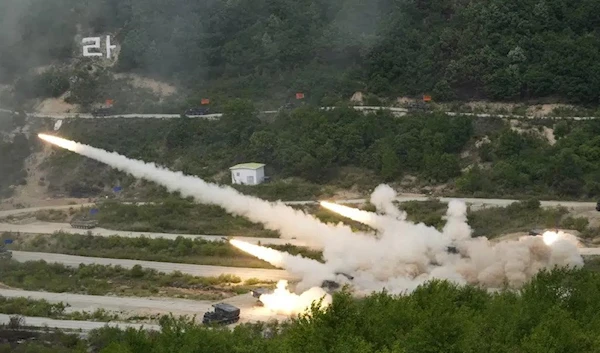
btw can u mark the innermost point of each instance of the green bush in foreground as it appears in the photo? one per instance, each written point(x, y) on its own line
point(556, 312)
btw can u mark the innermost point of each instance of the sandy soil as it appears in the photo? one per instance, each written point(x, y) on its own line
point(491, 105)
point(35, 193)
point(404, 100)
point(55, 106)
point(347, 195)
point(547, 132)
point(357, 97)
point(160, 88)
point(545, 109)
point(591, 214)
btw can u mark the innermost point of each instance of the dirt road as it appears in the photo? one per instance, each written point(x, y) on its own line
point(75, 325)
point(167, 267)
point(51, 227)
point(249, 312)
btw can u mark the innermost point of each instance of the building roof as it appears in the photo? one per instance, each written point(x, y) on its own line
point(247, 166)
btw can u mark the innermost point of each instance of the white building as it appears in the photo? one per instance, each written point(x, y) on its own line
point(248, 173)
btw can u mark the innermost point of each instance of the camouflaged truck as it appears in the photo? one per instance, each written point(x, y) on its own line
point(84, 223)
point(224, 314)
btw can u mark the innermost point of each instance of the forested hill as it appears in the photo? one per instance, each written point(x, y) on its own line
point(453, 49)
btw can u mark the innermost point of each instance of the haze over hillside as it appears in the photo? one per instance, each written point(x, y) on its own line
point(267, 50)
point(169, 55)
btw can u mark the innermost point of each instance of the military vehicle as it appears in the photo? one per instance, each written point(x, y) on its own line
point(5, 254)
point(419, 106)
point(102, 111)
point(197, 111)
point(451, 250)
point(287, 107)
point(330, 286)
point(345, 275)
point(256, 293)
point(84, 223)
point(598, 206)
point(224, 314)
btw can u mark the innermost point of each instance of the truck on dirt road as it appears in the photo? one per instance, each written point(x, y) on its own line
point(224, 314)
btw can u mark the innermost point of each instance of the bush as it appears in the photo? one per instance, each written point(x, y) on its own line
point(104, 280)
point(181, 250)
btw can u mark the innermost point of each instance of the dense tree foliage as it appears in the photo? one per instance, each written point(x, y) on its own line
point(529, 164)
point(308, 143)
point(318, 145)
point(12, 159)
point(557, 312)
point(515, 49)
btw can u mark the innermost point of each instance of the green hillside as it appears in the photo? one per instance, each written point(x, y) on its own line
point(344, 148)
point(267, 50)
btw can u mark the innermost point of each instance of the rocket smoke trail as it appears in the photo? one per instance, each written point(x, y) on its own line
point(402, 256)
point(273, 215)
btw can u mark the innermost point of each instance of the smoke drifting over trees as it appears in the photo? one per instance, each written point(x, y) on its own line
point(452, 49)
point(402, 256)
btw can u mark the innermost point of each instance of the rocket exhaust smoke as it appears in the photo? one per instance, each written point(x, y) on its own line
point(273, 215)
point(311, 271)
point(402, 255)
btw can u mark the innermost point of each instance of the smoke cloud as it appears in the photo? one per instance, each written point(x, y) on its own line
point(311, 271)
point(400, 257)
point(382, 198)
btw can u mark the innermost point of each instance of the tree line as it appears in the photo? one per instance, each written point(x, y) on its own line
point(556, 312)
point(473, 156)
point(496, 49)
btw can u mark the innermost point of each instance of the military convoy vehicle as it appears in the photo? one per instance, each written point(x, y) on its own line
point(419, 107)
point(102, 111)
point(451, 249)
point(197, 111)
point(224, 314)
point(598, 206)
point(256, 293)
point(5, 254)
point(331, 286)
point(84, 223)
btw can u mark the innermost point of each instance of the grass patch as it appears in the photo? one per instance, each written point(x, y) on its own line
point(181, 250)
point(116, 280)
point(177, 216)
point(495, 221)
point(516, 217)
point(54, 215)
point(43, 308)
point(429, 212)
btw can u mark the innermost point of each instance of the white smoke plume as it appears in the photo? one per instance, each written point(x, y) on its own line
point(411, 254)
point(403, 255)
point(284, 302)
point(273, 215)
point(382, 198)
point(311, 271)
point(456, 228)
